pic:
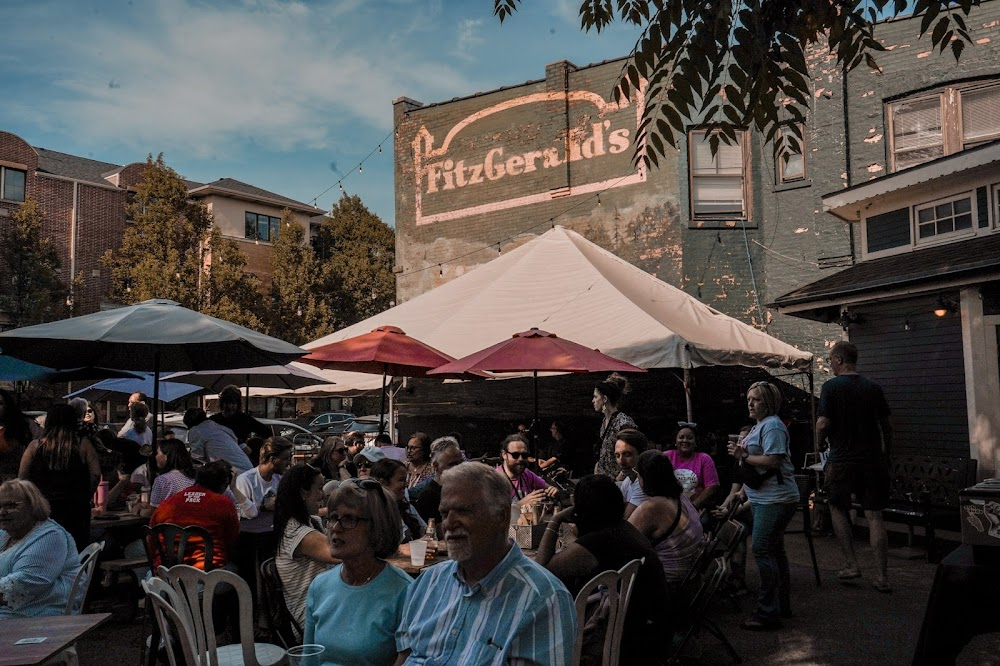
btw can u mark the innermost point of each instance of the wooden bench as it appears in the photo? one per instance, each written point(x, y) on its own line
point(924, 491)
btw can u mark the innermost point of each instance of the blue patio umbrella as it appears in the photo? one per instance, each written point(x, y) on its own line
point(169, 391)
point(14, 370)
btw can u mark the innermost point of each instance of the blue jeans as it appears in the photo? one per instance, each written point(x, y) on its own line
point(769, 523)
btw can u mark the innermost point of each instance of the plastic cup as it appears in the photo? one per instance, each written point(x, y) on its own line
point(418, 553)
point(304, 654)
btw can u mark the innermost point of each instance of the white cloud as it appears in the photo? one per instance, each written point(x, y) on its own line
point(281, 75)
point(468, 39)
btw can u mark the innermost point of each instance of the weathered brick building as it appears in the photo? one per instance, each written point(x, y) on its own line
point(83, 204)
point(483, 173)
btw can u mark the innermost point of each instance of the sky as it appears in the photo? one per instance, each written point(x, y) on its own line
point(287, 96)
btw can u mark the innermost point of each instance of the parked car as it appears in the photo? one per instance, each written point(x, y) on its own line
point(366, 425)
point(305, 442)
point(329, 421)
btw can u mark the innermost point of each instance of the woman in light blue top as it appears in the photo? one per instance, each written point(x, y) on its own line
point(353, 610)
point(38, 558)
point(766, 449)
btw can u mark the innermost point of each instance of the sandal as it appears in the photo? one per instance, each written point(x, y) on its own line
point(849, 574)
point(882, 586)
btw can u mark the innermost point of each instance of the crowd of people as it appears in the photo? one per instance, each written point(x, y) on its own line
point(341, 515)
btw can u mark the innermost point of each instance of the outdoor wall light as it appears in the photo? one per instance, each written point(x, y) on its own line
point(945, 306)
point(847, 318)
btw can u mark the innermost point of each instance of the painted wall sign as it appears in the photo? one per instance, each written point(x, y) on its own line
point(451, 168)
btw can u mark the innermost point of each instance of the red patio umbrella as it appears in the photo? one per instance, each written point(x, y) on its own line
point(536, 350)
point(387, 350)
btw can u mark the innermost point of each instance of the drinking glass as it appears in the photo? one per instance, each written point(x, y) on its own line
point(418, 552)
point(304, 654)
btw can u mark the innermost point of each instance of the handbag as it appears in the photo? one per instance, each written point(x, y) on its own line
point(752, 477)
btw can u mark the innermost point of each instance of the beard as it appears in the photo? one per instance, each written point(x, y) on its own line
point(460, 550)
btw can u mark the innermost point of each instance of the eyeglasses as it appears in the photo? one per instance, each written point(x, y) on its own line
point(414, 448)
point(10, 506)
point(364, 465)
point(346, 522)
point(517, 455)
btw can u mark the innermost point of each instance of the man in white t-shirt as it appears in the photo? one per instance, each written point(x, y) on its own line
point(260, 484)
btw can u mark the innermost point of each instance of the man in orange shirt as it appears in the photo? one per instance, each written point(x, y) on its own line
point(204, 505)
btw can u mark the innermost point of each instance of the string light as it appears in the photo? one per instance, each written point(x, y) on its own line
point(599, 199)
point(360, 169)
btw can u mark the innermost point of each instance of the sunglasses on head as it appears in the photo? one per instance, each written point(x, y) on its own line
point(517, 455)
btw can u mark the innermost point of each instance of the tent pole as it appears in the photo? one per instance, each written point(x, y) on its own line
point(246, 401)
point(812, 409)
point(687, 395)
point(534, 423)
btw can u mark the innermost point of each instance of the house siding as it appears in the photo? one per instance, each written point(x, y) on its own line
point(921, 371)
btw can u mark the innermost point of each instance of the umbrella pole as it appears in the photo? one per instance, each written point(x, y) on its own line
point(687, 395)
point(381, 412)
point(156, 392)
point(246, 401)
point(534, 423)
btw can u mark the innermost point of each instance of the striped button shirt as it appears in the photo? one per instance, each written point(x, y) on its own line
point(518, 614)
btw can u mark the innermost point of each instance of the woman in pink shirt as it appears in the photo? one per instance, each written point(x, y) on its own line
point(694, 470)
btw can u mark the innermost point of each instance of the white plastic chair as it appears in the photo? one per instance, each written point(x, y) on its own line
point(83, 578)
point(617, 586)
point(182, 604)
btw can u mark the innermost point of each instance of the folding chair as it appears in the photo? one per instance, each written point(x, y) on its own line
point(613, 588)
point(279, 619)
point(697, 619)
point(83, 578)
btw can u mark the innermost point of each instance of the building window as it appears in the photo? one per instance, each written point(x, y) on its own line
point(261, 227)
point(946, 217)
point(719, 183)
point(944, 122)
point(12, 184)
point(791, 166)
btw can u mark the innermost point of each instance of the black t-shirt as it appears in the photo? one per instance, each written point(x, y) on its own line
point(647, 621)
point(426, 499)
point(855, 407)
point(243, 425)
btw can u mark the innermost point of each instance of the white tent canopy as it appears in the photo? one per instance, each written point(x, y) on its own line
point(564, 284)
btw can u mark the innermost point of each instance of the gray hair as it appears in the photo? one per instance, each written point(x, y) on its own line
point(38, 507)
point(493, 487)
point(79, 405)
point(442, 444)
point(376, 504)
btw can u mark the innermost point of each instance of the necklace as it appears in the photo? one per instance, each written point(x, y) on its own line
point(379, 565)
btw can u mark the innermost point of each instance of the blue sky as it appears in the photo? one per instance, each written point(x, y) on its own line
point(287, 96)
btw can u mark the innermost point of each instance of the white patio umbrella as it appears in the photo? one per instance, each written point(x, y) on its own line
point(155, 336)
point(288, 377)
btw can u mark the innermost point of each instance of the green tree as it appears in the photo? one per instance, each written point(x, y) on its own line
point(731, 65)
point(30, 291)
point(297, 310)
point(172, 251)
point(356, 251)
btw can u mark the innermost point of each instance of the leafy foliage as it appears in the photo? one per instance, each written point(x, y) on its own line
point(172, 251)
point(30, 291)
point(730, 65)
point(297, 310)
point(356, 251)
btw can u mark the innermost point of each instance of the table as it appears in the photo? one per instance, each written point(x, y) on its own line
point(401, 561)
point(117, 520)
point(60, 632)
point(962, 604)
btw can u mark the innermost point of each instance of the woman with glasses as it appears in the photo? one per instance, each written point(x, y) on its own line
point(773, 498)
point(38, 558)
point(608, 395)
point(353, 610)
point(418, 459)
point(694, 470)
point(303, 550)
point(332, 460)
point(66, 470)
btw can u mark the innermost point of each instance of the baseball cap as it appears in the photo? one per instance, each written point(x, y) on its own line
point(369, 454)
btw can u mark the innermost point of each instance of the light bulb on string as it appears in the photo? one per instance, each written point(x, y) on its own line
point(380, 149)
point(360, 168)
point(440, 270)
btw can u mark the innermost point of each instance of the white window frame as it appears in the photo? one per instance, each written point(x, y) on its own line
point(947, 236)
point(3, 180)
point(723, 217)
point(786, 150)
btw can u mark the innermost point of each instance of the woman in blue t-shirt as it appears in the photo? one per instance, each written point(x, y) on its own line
point(766, 450)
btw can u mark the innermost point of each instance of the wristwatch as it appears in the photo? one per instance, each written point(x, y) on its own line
point(744, 455)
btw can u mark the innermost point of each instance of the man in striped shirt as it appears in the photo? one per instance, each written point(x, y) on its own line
point(488, 604)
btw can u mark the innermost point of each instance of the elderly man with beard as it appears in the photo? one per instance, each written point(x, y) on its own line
point(488, 604)
point(526, 487)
